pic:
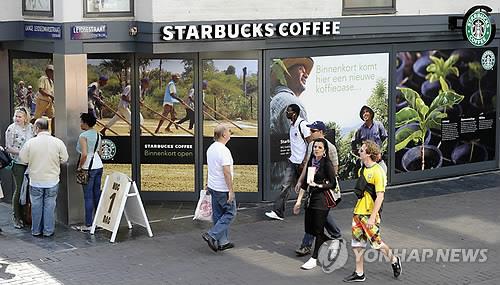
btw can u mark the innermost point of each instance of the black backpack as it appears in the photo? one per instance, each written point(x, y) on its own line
point(5, 159)
point(362, 185)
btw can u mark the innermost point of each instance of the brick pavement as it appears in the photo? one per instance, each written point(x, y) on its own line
point(264, 253)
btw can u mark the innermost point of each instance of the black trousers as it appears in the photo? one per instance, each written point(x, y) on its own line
point(314, 223)
point(189, 116)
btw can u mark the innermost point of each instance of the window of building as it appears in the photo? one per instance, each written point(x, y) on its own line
point(360, 7)
point(108, 8)
point(38, 8)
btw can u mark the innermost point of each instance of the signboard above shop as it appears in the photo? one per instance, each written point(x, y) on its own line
point(89, 32)
point(249, 30)
point(43, 31)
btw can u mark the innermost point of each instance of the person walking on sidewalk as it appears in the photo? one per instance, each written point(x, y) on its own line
point(16, 135)
point(299, 138)
point(370, 189)
point(44, 155)
point(318, 129)
point(220, 187)
point(317, 207)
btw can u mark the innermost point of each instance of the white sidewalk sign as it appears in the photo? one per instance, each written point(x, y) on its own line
point(120, 196)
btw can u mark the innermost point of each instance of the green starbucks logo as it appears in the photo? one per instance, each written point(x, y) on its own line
point(478, 28)
point(488, 60)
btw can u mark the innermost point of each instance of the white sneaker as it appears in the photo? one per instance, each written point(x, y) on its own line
point(274, 216)
point(310, 264)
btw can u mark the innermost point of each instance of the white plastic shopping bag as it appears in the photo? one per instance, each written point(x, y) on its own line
point(203, 210)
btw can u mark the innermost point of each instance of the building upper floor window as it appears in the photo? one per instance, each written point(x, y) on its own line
point(38, 8)
point(363, 7)
point(108, 8)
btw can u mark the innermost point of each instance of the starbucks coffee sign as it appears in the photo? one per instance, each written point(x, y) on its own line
point(477, 27)
point(488, 60)
point(249, 30)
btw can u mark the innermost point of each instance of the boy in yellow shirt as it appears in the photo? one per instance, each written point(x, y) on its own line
point(366, 214)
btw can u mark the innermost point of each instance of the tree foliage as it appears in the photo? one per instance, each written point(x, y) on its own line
point(378, 101)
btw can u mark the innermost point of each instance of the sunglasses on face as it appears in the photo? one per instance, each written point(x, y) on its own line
point(313, 131)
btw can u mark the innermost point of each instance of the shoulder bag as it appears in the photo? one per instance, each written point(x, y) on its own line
point(82, 175)
point(333, 196)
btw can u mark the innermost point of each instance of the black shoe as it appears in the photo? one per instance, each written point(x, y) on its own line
point(212, 243)
point(396, 267)
point(354, 277)
point(303, 250)
point(226, 246)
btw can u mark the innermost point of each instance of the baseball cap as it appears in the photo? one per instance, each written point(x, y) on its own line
point(317, 125)
point(49, 67)
point(103, 78)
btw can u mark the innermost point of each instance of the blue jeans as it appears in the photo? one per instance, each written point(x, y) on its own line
point(330, 226)
point(92, 194)
point(43, 205)
point(223, 214)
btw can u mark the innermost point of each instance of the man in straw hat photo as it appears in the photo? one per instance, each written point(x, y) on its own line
point(45, 97)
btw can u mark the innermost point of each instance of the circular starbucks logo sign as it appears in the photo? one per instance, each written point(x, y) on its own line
point(478, 28)
point(488, 60)
point(108, 149)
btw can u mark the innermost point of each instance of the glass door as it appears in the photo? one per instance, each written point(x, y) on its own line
point(231, 88)
point(167, 140)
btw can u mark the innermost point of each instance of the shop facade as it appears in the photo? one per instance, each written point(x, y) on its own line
point(232, 69)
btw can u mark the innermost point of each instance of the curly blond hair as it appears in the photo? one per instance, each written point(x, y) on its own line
point(372, 149)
